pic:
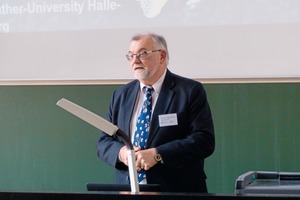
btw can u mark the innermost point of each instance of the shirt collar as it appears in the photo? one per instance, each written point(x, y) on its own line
point(156, 86)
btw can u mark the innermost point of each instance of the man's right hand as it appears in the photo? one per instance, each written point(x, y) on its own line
point(123, 154)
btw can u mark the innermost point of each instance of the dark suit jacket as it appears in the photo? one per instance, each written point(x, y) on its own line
point(183, 147)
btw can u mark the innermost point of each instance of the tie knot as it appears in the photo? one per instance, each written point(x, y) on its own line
point(149, 89)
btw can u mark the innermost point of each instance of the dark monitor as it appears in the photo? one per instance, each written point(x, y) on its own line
point(122, 187)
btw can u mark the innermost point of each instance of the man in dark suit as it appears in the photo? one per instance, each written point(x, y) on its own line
point(181, 131)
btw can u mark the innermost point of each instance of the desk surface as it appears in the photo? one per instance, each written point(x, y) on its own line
point(130, 196)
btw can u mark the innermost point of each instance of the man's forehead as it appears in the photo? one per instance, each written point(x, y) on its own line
point(142, 43)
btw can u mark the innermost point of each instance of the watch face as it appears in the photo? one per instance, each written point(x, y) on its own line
point(157, 157)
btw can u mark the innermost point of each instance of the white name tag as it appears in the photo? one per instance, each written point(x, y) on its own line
point(168, 120)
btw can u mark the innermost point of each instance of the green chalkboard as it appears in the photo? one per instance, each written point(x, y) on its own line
point(44, 148)
point(257, 128)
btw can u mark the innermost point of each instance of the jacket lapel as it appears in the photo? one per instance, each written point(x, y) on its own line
point(162, 105)
point(131, 95)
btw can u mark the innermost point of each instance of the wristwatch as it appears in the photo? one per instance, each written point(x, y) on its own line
point(158, 157)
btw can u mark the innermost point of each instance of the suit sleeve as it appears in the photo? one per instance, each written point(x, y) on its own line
point(108, 147)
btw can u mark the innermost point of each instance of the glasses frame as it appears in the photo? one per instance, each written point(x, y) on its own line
point(141, 55)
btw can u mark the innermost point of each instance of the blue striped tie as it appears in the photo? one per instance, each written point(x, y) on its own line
point(142, 127)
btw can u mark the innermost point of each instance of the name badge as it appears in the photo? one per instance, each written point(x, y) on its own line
point(168, 120)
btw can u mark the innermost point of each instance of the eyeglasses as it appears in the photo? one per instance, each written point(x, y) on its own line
point(142, 55)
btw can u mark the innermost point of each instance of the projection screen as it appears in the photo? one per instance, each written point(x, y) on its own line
point(86, 40)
